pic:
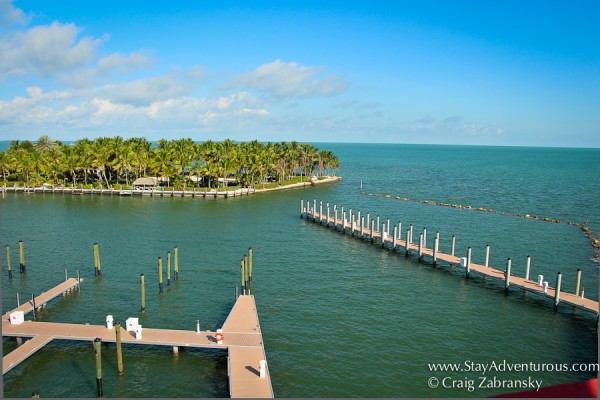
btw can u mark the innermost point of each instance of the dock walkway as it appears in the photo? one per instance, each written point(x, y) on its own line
point(359, 230)
point(46, 296)
point(242, 338)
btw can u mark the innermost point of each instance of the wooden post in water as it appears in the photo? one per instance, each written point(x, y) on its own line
point(507, 275)
point(527, 268)
point(372, 231)
point(487, 256)
point(334, 217)
point(436, 246)
point(358, 220)
point(453, 245)
point(175, 263)
point(98, 354)
point(327, 224)
point(407, 243)
point(420, 247)
point(395, 238)
point(377, 224)
point(250, 263)
point(557, 291)
point(411, 233)
point(578, 282)
point(34, 306)
point(18, 302)
point(242, 276)
point(301, 207)
point(321, 212)
point(160, 275)
point(383, 234)
point(468, 268)
point(22, 258)
point(368, 220)
point(119, 350)
point(343, 221)
point(388, 227)
point(143, 293)
point(362, 227)
point(314, 209)
point(168, 269)
point(247, 273)
point(8, 261)
point(424, 237)
point(95, 249)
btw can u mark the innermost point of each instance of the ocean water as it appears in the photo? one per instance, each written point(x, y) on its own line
point(340, 317)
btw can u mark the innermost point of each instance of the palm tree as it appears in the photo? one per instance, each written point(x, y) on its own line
point(45, 143)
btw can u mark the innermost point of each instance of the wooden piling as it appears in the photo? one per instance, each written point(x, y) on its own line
point(343, 221)
point(377, 224)
point(98, 355)
point(557, 291)
point(22, 258)
point(327, 224)
point(527, 268)
point(436, 245)
point(34, 306)
point(247, 273)
point(383, 234)
point(321, 212)
point(407, 243)
point(250, 263)
point(578, 282)
point(420, 253)
point(301, 207)
point(468, 267)
point(78, 281)
point(425, 237)
point(388, 227)
point(395, 238)
point(507, 274)
point(175, 263)
point(334, 217)
point(242, 276)
point(18, 302)
point(168, 269)
point(314, 209)
point(119, 350)
point(411, 233)
point(35, 394)
point(487, 257)
point(160, 275)
point(372, 231)
point(453, 245)
point(8, 261)
point(143, 293)
point(368, 219)
point(95, 249)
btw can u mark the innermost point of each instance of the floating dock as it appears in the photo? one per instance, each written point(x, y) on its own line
point(381, 233)
point(242, 338)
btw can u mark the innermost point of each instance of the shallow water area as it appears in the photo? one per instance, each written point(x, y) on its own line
point(340, 317)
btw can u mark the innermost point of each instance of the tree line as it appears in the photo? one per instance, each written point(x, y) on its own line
point(115, 160)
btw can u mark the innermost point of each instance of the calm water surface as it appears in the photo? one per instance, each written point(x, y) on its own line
point(340, 318)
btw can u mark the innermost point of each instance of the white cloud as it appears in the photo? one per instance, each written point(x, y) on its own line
point(283, 79)
point(45, 51)
point(10, 15)
point(121, 64)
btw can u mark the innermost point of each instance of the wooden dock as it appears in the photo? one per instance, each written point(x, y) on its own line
point(241, 331)
point(45, 297)
point(379, 235)
point(158, 192)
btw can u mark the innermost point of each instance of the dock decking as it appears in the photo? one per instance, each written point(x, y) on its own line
point(241, 331)
point(396, 243)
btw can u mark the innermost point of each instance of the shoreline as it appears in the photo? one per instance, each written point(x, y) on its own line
point(162, 192)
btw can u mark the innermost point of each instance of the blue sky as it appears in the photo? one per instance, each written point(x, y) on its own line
point(446, 72)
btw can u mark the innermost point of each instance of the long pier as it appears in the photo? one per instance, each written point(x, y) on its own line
point(380, 232)
point(242, 338)
point(158, 192)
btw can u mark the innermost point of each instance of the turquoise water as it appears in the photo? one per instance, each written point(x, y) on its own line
point(340, 318)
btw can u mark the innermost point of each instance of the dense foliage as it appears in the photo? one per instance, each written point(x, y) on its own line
point(116, 160)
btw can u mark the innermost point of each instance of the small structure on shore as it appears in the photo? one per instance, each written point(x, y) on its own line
point(146, 182)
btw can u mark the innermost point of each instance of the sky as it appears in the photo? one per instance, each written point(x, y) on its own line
point(507, 72)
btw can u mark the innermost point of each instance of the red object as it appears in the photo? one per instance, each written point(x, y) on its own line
point(577, 390)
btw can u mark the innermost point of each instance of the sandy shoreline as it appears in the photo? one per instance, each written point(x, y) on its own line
point(161, 192)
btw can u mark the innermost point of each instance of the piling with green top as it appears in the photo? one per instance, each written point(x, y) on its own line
point(8, 261)
point(160, 275)
point(168, 269)
point(98, 355)
point(175, 263)
point(119, 350)
point(143, 293)
point(250, 263)
point(22, 258)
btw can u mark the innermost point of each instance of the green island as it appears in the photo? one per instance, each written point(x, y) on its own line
point(171, 164)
